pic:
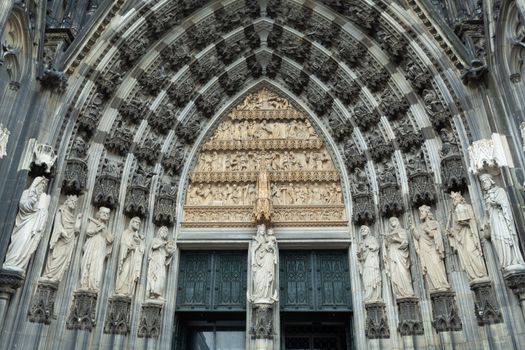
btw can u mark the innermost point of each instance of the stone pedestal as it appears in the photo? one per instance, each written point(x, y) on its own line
point(376, 326)
point(83, 309)
point(516, 281)
point(42, 308)
point(262, 321)
point(10, 281)
point(445, 312)
point(150, 319)
point(117, 316)
point(410, 322)
point(487, 307)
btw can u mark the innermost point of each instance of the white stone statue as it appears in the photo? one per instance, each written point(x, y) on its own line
point(158, 261)
point(96, 249)
point(464, 238)
point(130, 258)
point(29, 225)
point(397, 259)
point(368, 256)
point(44, 154)
point(264, 263)
point(501, 225)
point(429, 247)
point(63, 239)
point(4, 139)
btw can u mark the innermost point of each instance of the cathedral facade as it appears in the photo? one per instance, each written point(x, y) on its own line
point(262, 174)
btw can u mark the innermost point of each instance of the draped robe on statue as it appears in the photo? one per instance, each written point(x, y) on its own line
point(96, 248)
point(502, 230)
point(429, 246)
point(398, 262)
point(29, 226)
point(370, 273)
point(264, 260)
point(129, 262)
point(159, 259)
point(61, 245)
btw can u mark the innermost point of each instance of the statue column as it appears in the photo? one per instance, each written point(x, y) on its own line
point(263, 306)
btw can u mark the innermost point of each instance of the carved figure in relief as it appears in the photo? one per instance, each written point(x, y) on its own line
point(429, 246)
point(464, 238)
point(130, 258)
point(263, 206)
point(65, 229)
point(158, 261)
point(397, 259)
point(500, 225)
point(96, 248)
point(4, 139)
point(368, 256)
point(29, 225)
point(264, 262)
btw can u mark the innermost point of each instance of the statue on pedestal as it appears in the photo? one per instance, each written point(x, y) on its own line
point(501, 225)
point(368, 256)
point(29, 225)
point(96, 249)
point(429, 246)
point(130, 259)
point(159, 259)
point(264, 263)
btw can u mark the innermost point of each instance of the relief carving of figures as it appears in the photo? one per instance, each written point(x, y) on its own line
point(63, 239)
point(158, 261)
point(500, 225)
point(368, 256)
point(397, 259)
point(264, 263)
point(29, 225)
point(429, 246)
point(464, 238)
point(96, 248)
point(263, 204)
point(4, 139)
point(130, 258)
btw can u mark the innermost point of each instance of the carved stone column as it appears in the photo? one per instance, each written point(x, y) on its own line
point(376, 326)
point(42, 308)
point(150, 319)
point(487, 307)
point(445, 312)
point(410, 322)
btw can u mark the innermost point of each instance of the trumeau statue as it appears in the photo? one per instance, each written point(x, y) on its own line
point(397, 259)
point(96, 249)
point(130, 258)
point(29, 225)
point(158, 261)
point(368, 256)
point(63, 239)
point(429, 246)
point(464, 238)
point(501, 225)
point(4, 139)
point(264, 263)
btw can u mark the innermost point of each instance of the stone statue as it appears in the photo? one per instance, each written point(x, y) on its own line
point(29, 225)
point(429, 246)
point(159, 259)
point(4, 139)
point(263, 206)
point(464, 238)
point(368, 256)
point(397, 259)
point(44, 155)
point(264, 263)
point(96, 249)
point(130, 258)
point(501, 226)
point(63, 239)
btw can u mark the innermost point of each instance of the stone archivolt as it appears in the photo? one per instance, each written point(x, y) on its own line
point(305, 187)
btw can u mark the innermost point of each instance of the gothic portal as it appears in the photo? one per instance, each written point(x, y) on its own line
point(262, 174)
